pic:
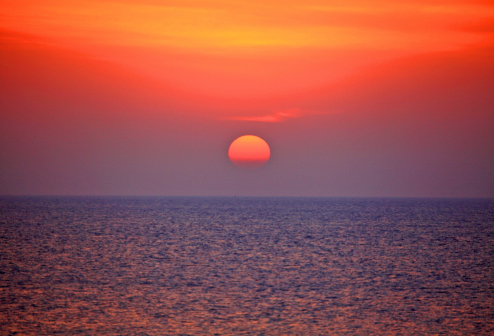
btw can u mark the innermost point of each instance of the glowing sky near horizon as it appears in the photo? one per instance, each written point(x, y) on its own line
point(355, 98)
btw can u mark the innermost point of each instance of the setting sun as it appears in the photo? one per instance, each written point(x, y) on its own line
point(249, 151)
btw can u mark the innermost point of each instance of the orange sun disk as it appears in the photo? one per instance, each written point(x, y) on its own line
point(249, 151)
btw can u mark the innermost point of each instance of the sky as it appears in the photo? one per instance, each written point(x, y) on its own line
point(355, 98)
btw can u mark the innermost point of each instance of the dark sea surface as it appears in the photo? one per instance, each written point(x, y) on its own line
point(246, 266)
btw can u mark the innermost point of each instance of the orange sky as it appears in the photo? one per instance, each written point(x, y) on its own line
point(355, 98)
point(251, 48)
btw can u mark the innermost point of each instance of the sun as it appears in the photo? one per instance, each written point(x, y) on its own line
point(249, 151)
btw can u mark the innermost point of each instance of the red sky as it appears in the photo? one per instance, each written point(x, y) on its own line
point(355, 98)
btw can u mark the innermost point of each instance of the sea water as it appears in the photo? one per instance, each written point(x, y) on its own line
point(246, 266)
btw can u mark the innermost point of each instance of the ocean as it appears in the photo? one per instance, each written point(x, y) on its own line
point(246, 266)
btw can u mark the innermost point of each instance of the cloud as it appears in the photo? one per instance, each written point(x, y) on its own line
point(273, 117)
